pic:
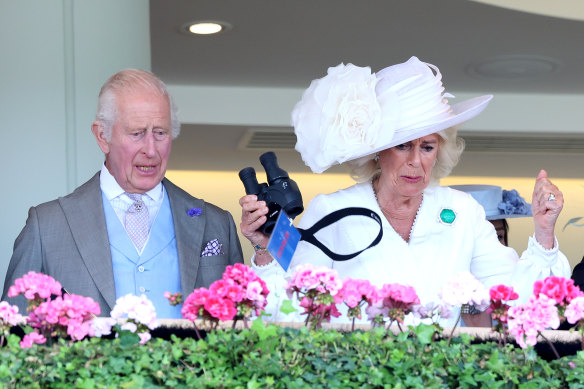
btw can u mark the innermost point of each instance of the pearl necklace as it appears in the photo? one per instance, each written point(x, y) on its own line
point(388, 216)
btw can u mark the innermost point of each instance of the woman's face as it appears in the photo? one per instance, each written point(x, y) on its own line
point(407, 167)
point(501, 230)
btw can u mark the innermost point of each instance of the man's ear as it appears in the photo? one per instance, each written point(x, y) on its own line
point(100, 137)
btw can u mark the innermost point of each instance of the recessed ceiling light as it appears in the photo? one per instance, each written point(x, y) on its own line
point(514, 67)
point(206, 27)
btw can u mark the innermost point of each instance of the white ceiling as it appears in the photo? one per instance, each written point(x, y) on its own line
point(287, 43)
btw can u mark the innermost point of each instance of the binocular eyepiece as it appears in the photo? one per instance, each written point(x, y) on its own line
point(279, 193)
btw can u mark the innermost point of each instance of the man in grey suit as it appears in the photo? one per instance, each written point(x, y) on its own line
point(128, 230)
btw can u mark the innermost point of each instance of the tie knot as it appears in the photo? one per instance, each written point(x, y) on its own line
point(137, 205)
point(134, 196)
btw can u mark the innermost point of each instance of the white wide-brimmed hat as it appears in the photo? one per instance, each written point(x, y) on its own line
point(498, 203)
point(351, 112)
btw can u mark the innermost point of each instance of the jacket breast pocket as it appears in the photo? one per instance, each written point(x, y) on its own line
point(214, 260)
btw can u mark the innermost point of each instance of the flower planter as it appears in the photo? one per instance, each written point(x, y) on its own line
point(288, 357)
point(566, 342)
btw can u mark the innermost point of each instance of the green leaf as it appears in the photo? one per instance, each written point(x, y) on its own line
point(425, 333)
point(177, 351)
point(85, 384)
point(287, 307)
point(128, 338)
point(254, 385)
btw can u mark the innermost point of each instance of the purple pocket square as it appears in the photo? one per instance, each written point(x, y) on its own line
point(213, 247)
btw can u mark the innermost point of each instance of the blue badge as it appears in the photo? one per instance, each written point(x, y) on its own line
point(284, 239)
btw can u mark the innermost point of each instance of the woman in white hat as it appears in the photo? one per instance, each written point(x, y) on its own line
point(395, 129)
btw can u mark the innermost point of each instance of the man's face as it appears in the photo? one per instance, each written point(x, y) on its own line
point(138, 151)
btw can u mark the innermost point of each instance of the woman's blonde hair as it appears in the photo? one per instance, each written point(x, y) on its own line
point(449, 150)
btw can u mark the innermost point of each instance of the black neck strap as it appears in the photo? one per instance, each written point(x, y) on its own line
point(307, 235)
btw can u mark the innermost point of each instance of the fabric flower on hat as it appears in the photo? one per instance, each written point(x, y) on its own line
point(514, 204)
point(339, 116)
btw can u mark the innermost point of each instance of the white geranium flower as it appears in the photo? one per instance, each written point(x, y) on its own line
point(464, 288)
point(101, 326)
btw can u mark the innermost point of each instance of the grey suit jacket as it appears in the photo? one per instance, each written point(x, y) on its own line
point(67, 239)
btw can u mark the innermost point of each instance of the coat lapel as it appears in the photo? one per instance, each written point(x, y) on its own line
point(84, 212)
point(189, 231)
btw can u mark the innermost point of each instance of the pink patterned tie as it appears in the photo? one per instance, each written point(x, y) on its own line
point(137, 221)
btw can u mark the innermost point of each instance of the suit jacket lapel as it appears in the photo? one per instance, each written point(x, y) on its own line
point(84, 212)
point(189, 231)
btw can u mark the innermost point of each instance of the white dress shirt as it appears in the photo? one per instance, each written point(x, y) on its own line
point(120, 201)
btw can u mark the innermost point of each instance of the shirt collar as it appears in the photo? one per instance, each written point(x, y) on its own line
point(112, 189)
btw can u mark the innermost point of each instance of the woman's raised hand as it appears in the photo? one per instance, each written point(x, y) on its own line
point(546, 204)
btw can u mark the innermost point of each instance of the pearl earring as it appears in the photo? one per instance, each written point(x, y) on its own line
point(376, 158)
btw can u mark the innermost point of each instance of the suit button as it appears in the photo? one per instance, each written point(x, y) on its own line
point(142, 289)
point(141, 269)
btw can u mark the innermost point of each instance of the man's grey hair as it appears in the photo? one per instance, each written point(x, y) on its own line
point(124, 81)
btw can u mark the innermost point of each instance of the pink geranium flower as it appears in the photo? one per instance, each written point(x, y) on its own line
point(239, 294)
point(65, 315)
point(575, 310)
point(35, 287)
point(33, 338)
point(395, 301)
point(355, 293)
point(9, 317)
point(503, 293)
point(248, 291)
point(194, 304)
point(317, 288)
point(560, 289)
point(500, 296)
point(51, 312)
point(174, 299)
point(319, 278)
point(526, 321)
point(221, 308)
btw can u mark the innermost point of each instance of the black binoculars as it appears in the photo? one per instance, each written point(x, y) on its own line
point(279, 193)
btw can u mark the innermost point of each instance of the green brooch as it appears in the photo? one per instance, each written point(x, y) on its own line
point(447, 216)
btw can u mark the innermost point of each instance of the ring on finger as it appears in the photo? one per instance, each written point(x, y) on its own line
point(552, 197)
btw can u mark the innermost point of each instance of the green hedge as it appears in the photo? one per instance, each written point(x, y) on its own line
point(275, 357)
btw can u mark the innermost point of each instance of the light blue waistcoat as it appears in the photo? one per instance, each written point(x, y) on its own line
point(156, 270)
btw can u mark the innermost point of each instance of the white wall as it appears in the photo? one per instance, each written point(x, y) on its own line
point(507, 112)
point(55, 56)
